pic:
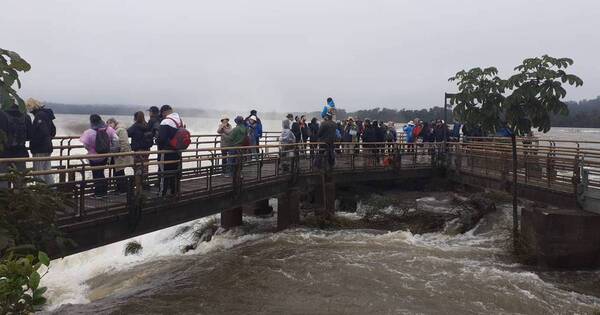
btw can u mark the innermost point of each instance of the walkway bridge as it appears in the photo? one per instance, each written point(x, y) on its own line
point(555, 171)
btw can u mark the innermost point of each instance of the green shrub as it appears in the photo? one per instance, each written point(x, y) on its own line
point(27, 215)
point(20, 291)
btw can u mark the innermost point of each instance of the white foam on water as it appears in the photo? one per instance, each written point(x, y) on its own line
point(67, 276)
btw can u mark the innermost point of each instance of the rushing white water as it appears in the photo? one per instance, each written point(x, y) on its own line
point(304, 271)
point(314, 271)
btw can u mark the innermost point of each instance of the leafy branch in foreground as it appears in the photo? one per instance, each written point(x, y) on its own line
point(27, 215)
point(20, 291)
point(27, 225)
point(10, 66)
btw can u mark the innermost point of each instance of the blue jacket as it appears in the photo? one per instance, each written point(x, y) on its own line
point(326, 109)
point(408, 131)
point(258, 130)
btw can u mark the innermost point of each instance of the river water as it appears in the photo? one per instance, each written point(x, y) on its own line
point(309, 271)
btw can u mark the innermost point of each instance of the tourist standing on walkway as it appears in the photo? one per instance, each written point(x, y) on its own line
point(224, 130)
point(154, 121)
point(353, 134)
point(287, 152)
point(369, 138)
point(258, 128)
point(239, 136)
point(18, 132)
point(408, 132)
point(171, 161)
point(304, 129)
point(98, 140)
point(314, 135)
point(251, 125)
point(17, 127)
point(142, 140)
point(296, 129)
point(120, 162)
point(327, 134)
point(42, 132)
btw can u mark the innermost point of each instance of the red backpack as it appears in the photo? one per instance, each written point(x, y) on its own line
point(417, 131)
point(182, 138)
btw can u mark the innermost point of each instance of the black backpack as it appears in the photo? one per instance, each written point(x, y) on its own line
point(17, 131)
point(148, 139)
point(102, 141)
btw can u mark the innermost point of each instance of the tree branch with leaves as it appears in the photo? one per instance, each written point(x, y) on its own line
point(524, 101)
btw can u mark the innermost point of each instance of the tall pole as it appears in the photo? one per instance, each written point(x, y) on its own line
point(446, 95)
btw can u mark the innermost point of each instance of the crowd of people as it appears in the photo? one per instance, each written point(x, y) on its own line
point(165, 129)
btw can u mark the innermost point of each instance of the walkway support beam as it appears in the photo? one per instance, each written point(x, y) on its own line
point(231, 218)
point(288, 209)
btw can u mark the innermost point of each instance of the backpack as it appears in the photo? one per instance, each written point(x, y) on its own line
point(182, 138)
point(102, 142)
point(417, 131)
point(148, 139)
point(17, 131)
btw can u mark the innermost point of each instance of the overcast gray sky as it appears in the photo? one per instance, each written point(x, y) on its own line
point(288, 55)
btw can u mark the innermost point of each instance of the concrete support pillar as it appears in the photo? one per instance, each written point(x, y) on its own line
point(259, 208)
point(288, 209)
point(231, 218)
point(329, 199)
point(325, 195)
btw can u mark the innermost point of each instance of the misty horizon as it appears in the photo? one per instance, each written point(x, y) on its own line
point(282, 57)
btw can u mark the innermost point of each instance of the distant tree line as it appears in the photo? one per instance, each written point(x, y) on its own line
point(582, 114)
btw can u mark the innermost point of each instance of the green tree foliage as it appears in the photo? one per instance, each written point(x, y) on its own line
point(10, 66)
point(526, 100)
point(20, 291)
point(27, 215)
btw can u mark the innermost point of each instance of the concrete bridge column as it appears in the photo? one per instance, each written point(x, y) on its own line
point(259, 208)
point(325, 195)
point(288, 209)
point(231, 218)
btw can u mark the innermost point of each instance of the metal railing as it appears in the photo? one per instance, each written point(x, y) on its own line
point(206, 169)
point(201, 171)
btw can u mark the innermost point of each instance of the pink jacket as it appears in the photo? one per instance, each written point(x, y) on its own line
point(88, 139)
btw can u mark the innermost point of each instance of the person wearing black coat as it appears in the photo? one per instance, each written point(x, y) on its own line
point(170, 173)
point(370, 135)
point(327, 134)
point(18, 133)
point(142, 139)
point(42, 132)
point(296, 129)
